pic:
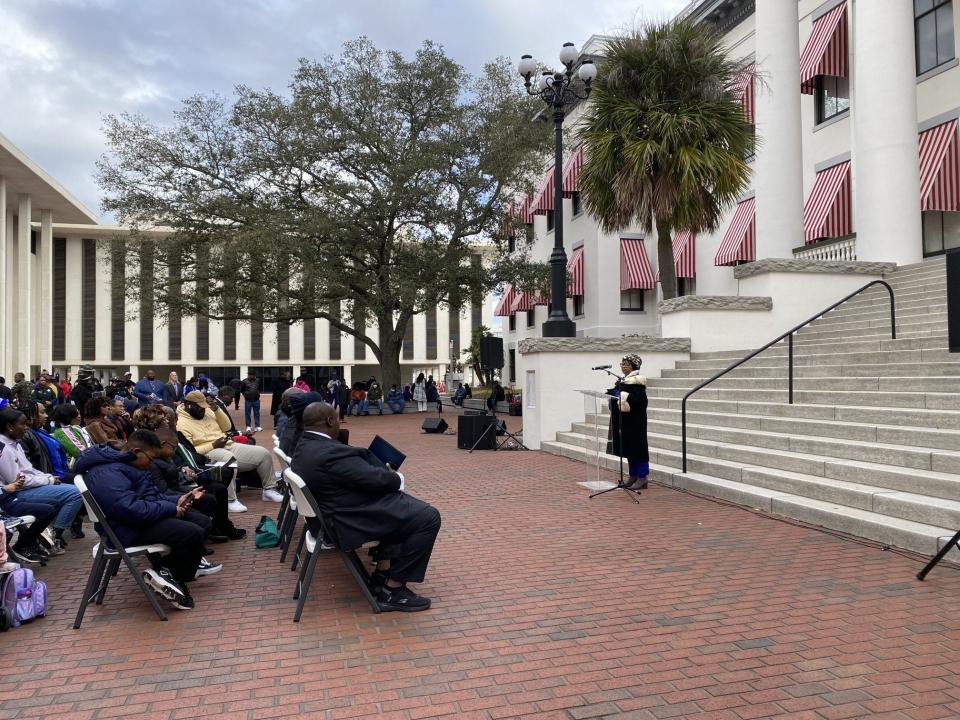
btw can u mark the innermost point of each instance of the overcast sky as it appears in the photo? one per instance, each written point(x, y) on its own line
point(66, 63)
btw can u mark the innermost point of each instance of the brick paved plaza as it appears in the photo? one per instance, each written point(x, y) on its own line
point(546, 605)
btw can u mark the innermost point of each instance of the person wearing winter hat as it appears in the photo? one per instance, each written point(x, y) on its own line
point(294, 427)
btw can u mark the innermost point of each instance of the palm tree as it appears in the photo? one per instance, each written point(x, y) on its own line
point(665, 137)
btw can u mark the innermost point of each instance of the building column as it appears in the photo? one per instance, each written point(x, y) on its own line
point(24, 347)
point(779, 159)
point(45, 306)
point(9, 293)
point(887, 169)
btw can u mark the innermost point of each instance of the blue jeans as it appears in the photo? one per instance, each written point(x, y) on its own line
point(252, 407)
point(65, 498)
point(360, 405)
point(378, 403)
point(396, 406)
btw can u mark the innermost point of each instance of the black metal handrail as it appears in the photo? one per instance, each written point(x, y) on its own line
point(789, 336)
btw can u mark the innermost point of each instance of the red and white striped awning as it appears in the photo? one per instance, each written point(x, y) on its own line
point(635, 272)
point(828, 211)
point(503, 307)
point(684, 256)
point(523, 301)
point(740, 241)
point(543, 200)
point(524, 213)
point(940, 168)
point(826, 50)
point(571, 172)
point(743, 90)
point(575, 268)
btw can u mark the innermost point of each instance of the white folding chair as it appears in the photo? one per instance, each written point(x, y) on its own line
point(107, 556)
point(307, 508)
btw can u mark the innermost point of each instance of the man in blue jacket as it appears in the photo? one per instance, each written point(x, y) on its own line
point(141, 515)
point(149, 390)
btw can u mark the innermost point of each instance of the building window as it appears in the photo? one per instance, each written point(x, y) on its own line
point(511, 243)
point(512, 373)
point(531, 321)
point(577, 204)
point(941, 232)
point(833, 96)
point(512, 323)
point(686, 286)
point(550, 221)
point(933, 27)
point(631, 300)
point(578, 305)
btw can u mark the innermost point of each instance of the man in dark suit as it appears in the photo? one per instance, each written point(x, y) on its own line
point(363, 500)
point(172, 390)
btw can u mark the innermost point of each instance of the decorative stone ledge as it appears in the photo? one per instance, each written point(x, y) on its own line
point(627, 343)
point(715, 302)
point(770, 265)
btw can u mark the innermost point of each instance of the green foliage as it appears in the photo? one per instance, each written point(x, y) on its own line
point(373, 183)
point(665, 138)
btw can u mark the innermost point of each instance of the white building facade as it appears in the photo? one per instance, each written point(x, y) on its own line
point(63, 304)
point(855, 104)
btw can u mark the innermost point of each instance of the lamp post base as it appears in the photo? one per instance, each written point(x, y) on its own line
point(559, 328)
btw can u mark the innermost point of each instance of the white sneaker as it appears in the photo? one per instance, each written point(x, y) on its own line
point(272, 495)
point(208, 568)
point(235, 506)
point(259, 429)
point(249, 429)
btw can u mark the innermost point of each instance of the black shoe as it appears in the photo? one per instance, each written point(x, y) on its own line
point(377, 580)
point(208, 551)
point(76, 532)
point(27, 554)
point(402, 599)
point(237, 534)
point(163, 583)
point(217, 538)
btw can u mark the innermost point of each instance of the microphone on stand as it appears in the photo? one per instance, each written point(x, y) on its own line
point(602, 367)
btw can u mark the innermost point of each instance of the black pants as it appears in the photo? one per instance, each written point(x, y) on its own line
point(43, 512)
point(236, 400)
point(213, 504)
point(409, 548)
point(185, 539)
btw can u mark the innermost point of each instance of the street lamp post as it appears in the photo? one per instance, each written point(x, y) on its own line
point(557, 91)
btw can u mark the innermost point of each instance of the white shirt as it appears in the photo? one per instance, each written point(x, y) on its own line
point(13, 462)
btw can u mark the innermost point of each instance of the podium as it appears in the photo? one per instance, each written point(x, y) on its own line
point(595, 404)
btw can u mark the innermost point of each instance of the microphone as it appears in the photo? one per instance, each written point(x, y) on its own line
point(602, 367)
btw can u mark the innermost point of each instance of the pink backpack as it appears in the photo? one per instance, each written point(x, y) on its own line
point(22, 596)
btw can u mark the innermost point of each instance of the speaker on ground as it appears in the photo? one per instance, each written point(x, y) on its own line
point(434, 425)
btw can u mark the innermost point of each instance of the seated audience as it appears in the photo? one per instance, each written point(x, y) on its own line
point(362, 499)
point(395, 400)
point(99, 413)
point(407, 394)
point(36, 485)
point(43, 450)
point(283, 410)
point(294, 427)
point(223, 399)
point(206, 426)
point(459, 396)
point(358, 400)
point(140, 514)
point(192, 384)
point(375, 396)
point(68, 432)
point(27, 549)
point(87, 386)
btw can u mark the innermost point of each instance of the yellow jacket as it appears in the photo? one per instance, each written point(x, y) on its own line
point(203, 432)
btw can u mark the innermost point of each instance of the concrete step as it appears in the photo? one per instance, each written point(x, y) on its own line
point(808, 358)
point(830, 338)
point(907, 534)
point(914, 322)
point(929, 369)
point(728, 382)
point(837, 346)
point(928, 400)
point(877, 312)
point(870, 327)
point(902, 298)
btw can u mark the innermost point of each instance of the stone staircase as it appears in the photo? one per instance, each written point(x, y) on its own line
point(871, 445)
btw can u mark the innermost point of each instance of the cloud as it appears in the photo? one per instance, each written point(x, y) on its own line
point(66, 63)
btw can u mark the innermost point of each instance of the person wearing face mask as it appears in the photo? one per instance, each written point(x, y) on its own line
point(140, 514)
point(205, 425)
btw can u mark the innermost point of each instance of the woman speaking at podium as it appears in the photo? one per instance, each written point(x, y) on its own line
point(631, 412)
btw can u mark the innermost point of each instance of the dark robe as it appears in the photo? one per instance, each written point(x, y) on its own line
point(634, 419)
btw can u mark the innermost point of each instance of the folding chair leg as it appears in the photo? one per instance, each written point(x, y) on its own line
point(283, 508)
point(96, 574)
point(143, 586)
point(303, 539)
point(286, 534)
point(303, 571)
point(111, 569)
point(304, 586)
point(359, 572)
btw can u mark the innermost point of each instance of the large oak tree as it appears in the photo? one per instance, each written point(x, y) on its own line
point(360, 196)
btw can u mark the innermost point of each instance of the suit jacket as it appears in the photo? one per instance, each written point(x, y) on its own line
point(171, 392)
point(354, 490)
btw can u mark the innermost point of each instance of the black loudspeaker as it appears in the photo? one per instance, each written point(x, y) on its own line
point(953, 299)
point(491, 352)
point(471, 427)
point(434, 425)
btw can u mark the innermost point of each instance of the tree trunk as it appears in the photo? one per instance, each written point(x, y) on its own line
point(668, 272)
point(389, 356)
